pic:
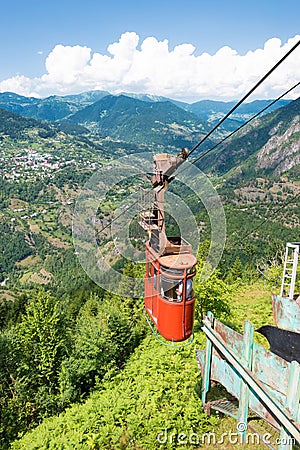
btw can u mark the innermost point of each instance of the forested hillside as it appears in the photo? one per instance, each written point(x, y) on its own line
point(270, 145)
point(159, 123)
point(56, 107)
point(82, 362)
point(51, 108)
point(124, 122)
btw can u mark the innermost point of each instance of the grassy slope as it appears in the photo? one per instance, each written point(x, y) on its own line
point(157, 390)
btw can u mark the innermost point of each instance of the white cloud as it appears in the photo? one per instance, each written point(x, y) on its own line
point(154, 68)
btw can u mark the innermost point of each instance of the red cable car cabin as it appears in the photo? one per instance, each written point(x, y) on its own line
point(170, 264)
point(169, 296)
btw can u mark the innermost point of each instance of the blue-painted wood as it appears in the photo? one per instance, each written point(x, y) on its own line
point(228, 376)
point(269, 368)
point(286, 313)
point(261, 380)
point(244, 390)
point(207, 366)
point(292, 403)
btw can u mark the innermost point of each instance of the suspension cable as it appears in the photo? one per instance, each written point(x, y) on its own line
point(208, 151)
point(245, 97)
point(244, 124)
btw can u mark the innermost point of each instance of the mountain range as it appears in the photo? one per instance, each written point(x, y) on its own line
point(143, 119)
point(60, 107)
point(129, 119)
point(51, 108)
point(270, 143)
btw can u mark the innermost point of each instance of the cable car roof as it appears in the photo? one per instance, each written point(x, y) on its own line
point(178, 261)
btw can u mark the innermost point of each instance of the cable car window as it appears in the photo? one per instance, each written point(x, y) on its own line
point(173, 272)
point(179, 290)
point(191, 270)
point(149, 267)
point(189, 291)
point(155, 279)
point(171, 289)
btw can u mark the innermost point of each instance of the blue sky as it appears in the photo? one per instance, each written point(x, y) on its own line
point(31, 30)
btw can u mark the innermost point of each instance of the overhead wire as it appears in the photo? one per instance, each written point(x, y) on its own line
point(121, 214)
point(209, 150)
point(245, 97)
point(256, 115)
point(246, 123)
point(194, 161)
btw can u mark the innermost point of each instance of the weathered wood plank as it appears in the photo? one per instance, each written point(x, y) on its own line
point(286, 313)
point(268, 383)
point(223, 373)
point(207, 367)
point(244, 389)
point(270, 369)
point(230, 335)
point(292, 402)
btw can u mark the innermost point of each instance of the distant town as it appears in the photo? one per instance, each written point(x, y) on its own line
point(29, 164)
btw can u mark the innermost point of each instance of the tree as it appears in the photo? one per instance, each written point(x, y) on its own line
point(105, 334)
point(212, 295)
point(235, 273)
point(31, 354)
point(40, 343)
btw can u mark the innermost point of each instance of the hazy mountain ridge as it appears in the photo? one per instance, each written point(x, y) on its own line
point(60, 107)
point(270, 143)
point(51, 108)
point(158, 123)
point(212, 110)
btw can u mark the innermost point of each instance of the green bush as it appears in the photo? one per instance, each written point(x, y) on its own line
point(155, 394)
point(212, 295)
point(105, 334)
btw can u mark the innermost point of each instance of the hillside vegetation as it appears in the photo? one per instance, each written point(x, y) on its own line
point(79, 367)
point(134, 120)
point(132, 117)
point(155, 400)
point(268, 146)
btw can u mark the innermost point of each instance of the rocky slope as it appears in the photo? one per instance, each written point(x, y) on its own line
point(268, 146)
